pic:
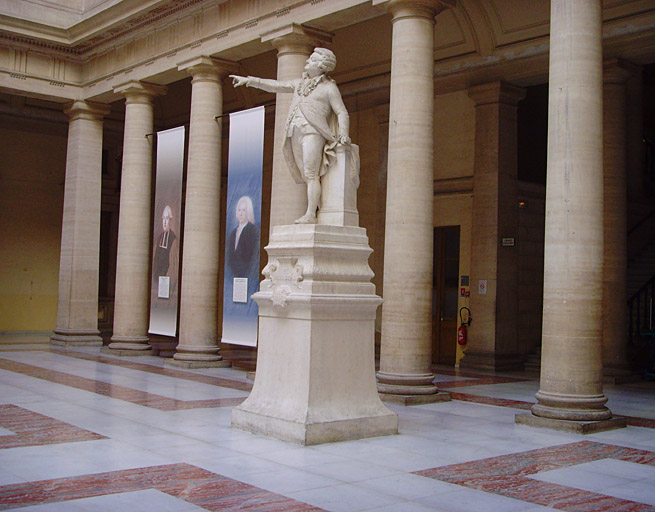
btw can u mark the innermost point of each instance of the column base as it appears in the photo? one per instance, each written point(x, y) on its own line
point(73, 338)
point(491, 361)
point(580, 427)
point(191, 365)
point(189, 356)
point(439, 396)
point(128, 346)
point(567, 407)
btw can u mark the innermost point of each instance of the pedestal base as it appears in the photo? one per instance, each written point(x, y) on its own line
point(416, 399)
point(324, 431)
point(76, 338)
point(315, 379)
point(580, 427)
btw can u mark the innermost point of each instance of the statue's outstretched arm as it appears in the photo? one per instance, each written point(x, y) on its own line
point(262, 83)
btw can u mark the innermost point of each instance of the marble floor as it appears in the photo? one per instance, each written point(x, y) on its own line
point(85, 431)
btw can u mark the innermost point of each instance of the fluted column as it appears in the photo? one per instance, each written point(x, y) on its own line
point(615, 310)
point(198, 342)
point(132, 278)
point(294, 45)
point(493, 337)
point(406, 345)
point(571, 390)
point(77, 306)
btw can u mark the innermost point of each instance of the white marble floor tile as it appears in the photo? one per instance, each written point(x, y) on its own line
point(70, 459)
point(287, 481)
point(345, 498)
point(469, 500)
point(238, 466)
point(404, 506)
point(137, 501)
point(407, 486)
point(300, 456)
point(641, 491)
point(621, 479)
point(351, 471)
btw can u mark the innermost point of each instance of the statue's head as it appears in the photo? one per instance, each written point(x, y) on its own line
point(328, 59)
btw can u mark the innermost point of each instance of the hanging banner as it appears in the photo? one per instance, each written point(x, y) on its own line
point(167, 230)
point(242, 227)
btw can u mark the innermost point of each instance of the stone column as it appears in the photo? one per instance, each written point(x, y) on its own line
point(132, 277)
point(405, 356)
point(77, 306)
point(294, 45)
point(571, 390)
point(198, 343)
point(493, 335)
point(615, 310)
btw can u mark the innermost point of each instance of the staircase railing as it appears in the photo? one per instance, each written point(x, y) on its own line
point(642, 314)
point(642, 322)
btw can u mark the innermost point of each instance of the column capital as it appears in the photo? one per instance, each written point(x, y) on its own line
point(496, 92)
point(618, 71)
point(205, 66)
point(415, 8)
point(294, 38)
point(140, 92)
point(80, 109)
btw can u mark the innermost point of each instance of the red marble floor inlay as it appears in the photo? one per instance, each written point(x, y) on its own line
point(183, 481)
point(33, 429)
point(169, 372)
point(508, 475)
point(114, 391)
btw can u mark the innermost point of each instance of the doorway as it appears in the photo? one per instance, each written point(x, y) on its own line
point(445, 293)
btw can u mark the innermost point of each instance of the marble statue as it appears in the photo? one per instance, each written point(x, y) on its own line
point(317, 122)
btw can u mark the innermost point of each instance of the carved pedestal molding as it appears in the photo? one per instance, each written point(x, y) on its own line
point(615, 309)
point(571, 389)
point(198, 343)
point(294, 45)
point(77, 307)
point(132, 280)
point(315, 380)
point(493, 337)
point(405, 357)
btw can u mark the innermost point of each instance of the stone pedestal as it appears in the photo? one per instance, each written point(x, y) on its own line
point(315, 380)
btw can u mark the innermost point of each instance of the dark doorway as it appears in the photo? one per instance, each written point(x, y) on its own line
point(445, 293)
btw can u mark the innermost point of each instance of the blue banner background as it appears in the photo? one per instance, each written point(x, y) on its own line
point(245, 169)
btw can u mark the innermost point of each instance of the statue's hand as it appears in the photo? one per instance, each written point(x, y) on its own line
point(344, 139)
point(238, 81)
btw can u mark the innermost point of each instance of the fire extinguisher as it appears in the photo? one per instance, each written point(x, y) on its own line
point(461, 330)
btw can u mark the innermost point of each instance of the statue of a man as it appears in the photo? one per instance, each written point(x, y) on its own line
point(317, 122)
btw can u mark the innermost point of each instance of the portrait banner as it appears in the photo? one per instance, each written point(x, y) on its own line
point(167, 232)
point(242, 227)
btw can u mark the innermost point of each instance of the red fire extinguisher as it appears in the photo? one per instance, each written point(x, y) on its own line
point(461, 330)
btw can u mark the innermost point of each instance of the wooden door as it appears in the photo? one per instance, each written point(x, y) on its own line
point(445, 293)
